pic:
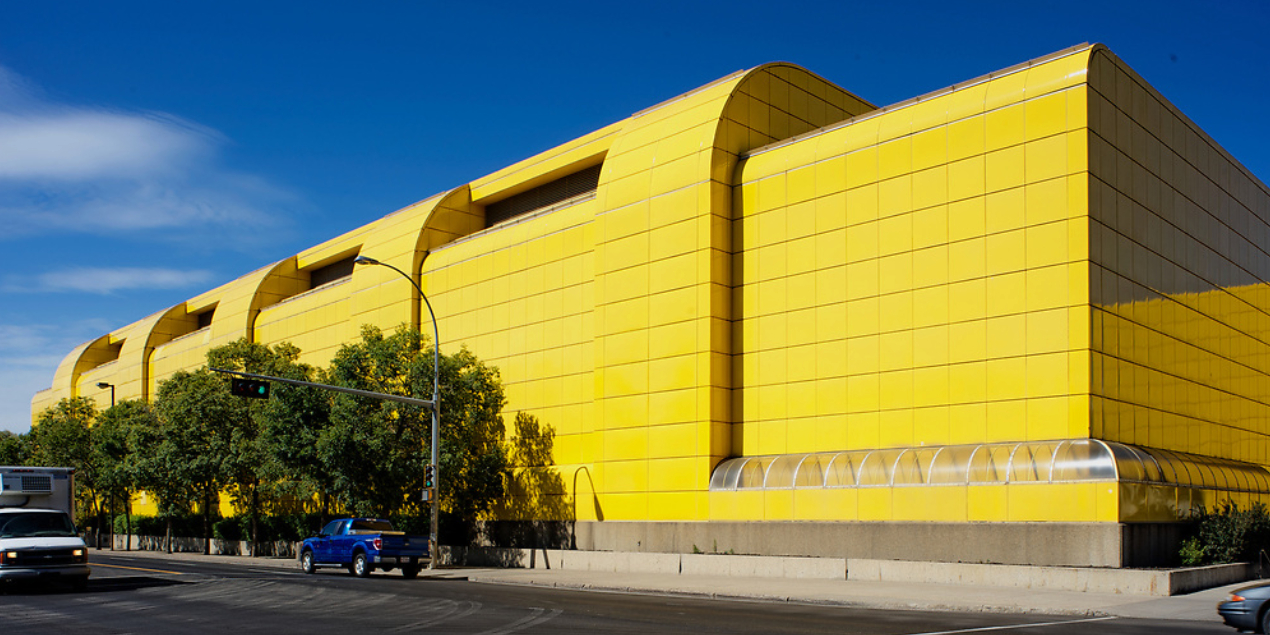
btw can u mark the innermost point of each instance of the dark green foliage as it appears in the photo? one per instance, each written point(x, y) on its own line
point(230, 529)
point(119, 445)
point(1227, 535)
point(61, 437)
point(377, 450)
point(183, 525)
point(272, 451)
point(276, 457)
point(198, 420)
point(287, 527)
point(14, 449)
point(473, 459)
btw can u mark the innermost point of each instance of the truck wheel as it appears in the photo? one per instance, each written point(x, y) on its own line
point(410, 572)
point(306, 561)
point(361, 565)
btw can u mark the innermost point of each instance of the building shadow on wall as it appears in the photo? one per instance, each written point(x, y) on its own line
point(538, 511)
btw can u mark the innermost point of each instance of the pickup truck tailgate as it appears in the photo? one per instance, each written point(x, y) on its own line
point(403, 545)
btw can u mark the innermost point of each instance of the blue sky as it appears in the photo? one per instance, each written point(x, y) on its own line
point(150, 151)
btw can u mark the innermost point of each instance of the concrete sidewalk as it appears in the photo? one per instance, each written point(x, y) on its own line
point(1198, 606)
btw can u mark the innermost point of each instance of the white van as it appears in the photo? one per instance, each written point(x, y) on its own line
point(38, 539)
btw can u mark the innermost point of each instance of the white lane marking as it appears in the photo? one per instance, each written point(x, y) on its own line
point(1011, 627)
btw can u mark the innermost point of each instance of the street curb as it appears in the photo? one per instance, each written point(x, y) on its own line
point(789, 599)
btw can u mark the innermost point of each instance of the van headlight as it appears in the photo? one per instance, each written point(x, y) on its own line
point(80, 555)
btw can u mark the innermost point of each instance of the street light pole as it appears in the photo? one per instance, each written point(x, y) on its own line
point(103, 385)
point(436, 408)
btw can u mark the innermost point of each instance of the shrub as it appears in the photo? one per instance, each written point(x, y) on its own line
point(288, 527)
point(1227, 535)
point(183, 525)
point(230, 529)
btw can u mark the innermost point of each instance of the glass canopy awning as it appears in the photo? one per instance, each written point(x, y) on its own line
point(1065, 461)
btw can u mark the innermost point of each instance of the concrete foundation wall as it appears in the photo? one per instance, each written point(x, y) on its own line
point(1043, 544)
point(1149, 582)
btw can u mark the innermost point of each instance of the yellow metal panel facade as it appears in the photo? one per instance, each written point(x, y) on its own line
point(770, 266)
point(1177, 280)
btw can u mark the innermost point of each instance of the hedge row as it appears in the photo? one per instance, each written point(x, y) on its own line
point(291, 528)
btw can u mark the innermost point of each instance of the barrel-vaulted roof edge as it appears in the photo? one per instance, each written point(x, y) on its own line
point(769, 66)
point(1023, 66)
point(600, 137)
point(726, 78)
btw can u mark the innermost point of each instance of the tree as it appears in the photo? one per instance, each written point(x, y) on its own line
point(274, 454)
point(198, 420)
point(118, 450)
point(14, 448)
point(62, 437)
point(473, 455)
point(377, 450)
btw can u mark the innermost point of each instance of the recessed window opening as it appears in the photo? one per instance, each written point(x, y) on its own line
point(204, 318)
point(331, 272)
point(573, 186)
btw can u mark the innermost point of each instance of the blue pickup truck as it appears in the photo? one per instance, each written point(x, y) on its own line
point(362, 545)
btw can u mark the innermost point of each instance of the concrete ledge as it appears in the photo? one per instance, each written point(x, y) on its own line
point(1152, 582)
point(662, 563)
point(764, 566)
point(1145, 582)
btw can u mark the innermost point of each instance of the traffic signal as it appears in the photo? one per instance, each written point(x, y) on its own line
point(251, 388)
point(429, 476)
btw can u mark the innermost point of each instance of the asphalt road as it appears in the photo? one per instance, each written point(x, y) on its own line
point(149, 595)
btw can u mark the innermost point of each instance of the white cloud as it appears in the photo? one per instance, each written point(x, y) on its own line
point(106, 280)
point(67, 168)
point(77, 144)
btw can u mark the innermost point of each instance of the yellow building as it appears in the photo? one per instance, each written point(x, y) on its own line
point(1021, 319)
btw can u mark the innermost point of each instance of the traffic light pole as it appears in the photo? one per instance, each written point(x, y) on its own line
point(431, 470)
point(352, 391)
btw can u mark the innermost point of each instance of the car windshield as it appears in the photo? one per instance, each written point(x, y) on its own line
point(36, 525)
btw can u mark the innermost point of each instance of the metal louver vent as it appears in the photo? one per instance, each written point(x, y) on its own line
point(27, 484)
point(37, 484)
point(546, 195)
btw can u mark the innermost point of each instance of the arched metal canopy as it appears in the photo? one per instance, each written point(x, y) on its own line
point(1065, 461)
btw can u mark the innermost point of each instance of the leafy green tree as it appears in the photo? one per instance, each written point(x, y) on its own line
point(62, 437)
point(376, 450)
point(273, 455)
point(198, 421)
point(13, 448)
point(119, 451)
point(473, 455)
